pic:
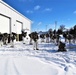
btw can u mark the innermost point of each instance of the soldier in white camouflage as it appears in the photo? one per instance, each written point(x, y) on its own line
point(61, 45)
point(35, 40)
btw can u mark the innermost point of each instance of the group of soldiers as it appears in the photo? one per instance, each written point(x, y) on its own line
point(60, 40)
point(9, 38)
point(6, 38)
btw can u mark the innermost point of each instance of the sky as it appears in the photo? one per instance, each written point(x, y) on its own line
point(45, 13)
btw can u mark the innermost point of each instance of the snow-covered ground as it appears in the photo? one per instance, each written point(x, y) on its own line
point(23, 60)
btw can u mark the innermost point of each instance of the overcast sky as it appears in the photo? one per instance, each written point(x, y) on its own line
point(44, 13)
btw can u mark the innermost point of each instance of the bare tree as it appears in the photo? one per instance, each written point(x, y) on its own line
point(62, 27)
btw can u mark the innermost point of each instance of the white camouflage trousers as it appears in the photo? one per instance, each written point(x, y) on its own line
point(35, 45)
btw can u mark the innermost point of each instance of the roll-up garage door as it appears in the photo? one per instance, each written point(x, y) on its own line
point(19, 27)
point(4, 24)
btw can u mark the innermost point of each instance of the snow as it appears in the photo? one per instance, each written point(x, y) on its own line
point(23, 60)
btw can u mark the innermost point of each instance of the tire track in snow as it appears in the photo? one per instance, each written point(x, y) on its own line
point(6, 67)
point(10, 68)
point(15, 68)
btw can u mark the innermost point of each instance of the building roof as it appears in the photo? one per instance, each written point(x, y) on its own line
point(1, 1)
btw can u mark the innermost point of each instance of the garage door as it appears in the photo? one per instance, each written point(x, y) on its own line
point(19, 27)
point(4, 24)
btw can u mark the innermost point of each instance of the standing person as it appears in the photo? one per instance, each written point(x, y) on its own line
point(47, 38)
point(24, 36)
point(1, 39)
point(5, 38)
point(61, 45)
point(42, 36)
point(12, 38)
point(35, 40)
point(30, 35)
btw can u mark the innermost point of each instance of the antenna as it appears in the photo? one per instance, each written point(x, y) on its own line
point(55, 24)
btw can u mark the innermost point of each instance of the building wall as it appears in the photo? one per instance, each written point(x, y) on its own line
point(15, 19)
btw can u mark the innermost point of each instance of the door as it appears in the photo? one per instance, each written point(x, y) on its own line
point(19, 26)
point(5, 24)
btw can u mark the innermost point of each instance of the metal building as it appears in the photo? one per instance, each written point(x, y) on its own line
point(13, 21)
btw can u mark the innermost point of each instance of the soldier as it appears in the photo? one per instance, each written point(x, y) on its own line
point(47, 38)
point(5, 38)
point(35, 39)
point(69, 37)
point(1, 39)
point(23, 36)
point(61, 45)
point(42, 36)
point(12, 38)
point(30, 35)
